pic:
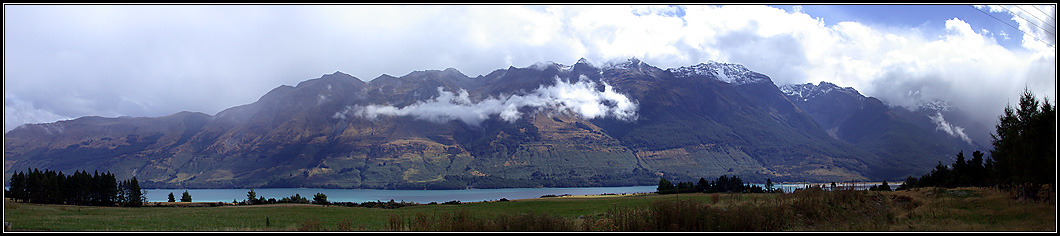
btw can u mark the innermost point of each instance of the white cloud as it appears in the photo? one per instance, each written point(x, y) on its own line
point(952, 130)
point(1037, 22)
point(148, 60)
point(580, 98)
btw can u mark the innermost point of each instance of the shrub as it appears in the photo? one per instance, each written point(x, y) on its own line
point(309, 225)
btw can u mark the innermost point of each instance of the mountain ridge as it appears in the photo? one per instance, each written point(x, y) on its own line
point(726, 120)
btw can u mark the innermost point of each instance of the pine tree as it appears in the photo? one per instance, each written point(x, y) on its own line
point(135, 196)
point(123, 193)
point(769, 185)
point(1024, 146)
point(320, 198)
point(186, 197)
point(959, 172)
point(976, 170)
point(34, 186)
point(108, 189)
point(702, 185)
point(665, 185)
point(18, 186)
point(171, 198)
point(252, 197)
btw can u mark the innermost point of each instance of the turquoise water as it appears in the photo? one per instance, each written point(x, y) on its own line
point(417, 196)
point(369, 195)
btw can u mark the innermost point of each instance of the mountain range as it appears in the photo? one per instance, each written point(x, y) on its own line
point(620, 123)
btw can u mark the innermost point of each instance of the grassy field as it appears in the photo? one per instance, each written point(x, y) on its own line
point(963, 209)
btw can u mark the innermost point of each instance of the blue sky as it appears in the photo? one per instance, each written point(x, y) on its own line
point(68, 61)
point(929, 18)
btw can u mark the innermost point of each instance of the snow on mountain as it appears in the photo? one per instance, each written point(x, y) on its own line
point(624, 64)
point(937, 105)
point(725, 72)
point(809, 90)
point(586, 62)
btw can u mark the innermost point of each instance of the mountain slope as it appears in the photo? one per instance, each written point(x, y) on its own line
point(907, 141)
point(619, 123)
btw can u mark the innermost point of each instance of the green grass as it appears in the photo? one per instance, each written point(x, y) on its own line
point(966, 209)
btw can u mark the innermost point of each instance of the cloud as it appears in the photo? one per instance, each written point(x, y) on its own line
point(18, 112)
point(1033, 20)
point(952, 130)
point(581, 98)
point(155, 60)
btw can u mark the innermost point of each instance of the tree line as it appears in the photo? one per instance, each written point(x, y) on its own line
point(1023, 159)
point(723, 184)
point(80, 188)
point(254, 199)
point(962, 173)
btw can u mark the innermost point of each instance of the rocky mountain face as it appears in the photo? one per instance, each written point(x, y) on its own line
point(620, 123)
point(905, 139)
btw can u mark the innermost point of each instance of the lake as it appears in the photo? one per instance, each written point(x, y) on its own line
point(371, 195)
point(417, 196)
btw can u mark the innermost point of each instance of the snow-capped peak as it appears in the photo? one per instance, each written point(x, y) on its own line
point(584, 61)
point(724, 72)
point(809, 90)
point(938, 105)
point(630, 63)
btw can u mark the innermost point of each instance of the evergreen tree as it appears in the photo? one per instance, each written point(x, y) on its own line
point(135, 196)
point(702, 185)
point(769, 185)
point(186, 197)
point(1020, 146)
point(18, 186)
point(665, 185)
point(79, 188)
point(171, 197)
point(123, 192)
point(960, 171)
point(1024, 154)
point(34, 186)
point(684, 186)
point(910, 182)
point(109, 189)
point(320, 198)
point(95, 197)
point(252, 197)
point(977, 172)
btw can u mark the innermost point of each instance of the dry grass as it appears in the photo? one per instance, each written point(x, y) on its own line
point(927, 209)
point(965, 209)
point(973, 209)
